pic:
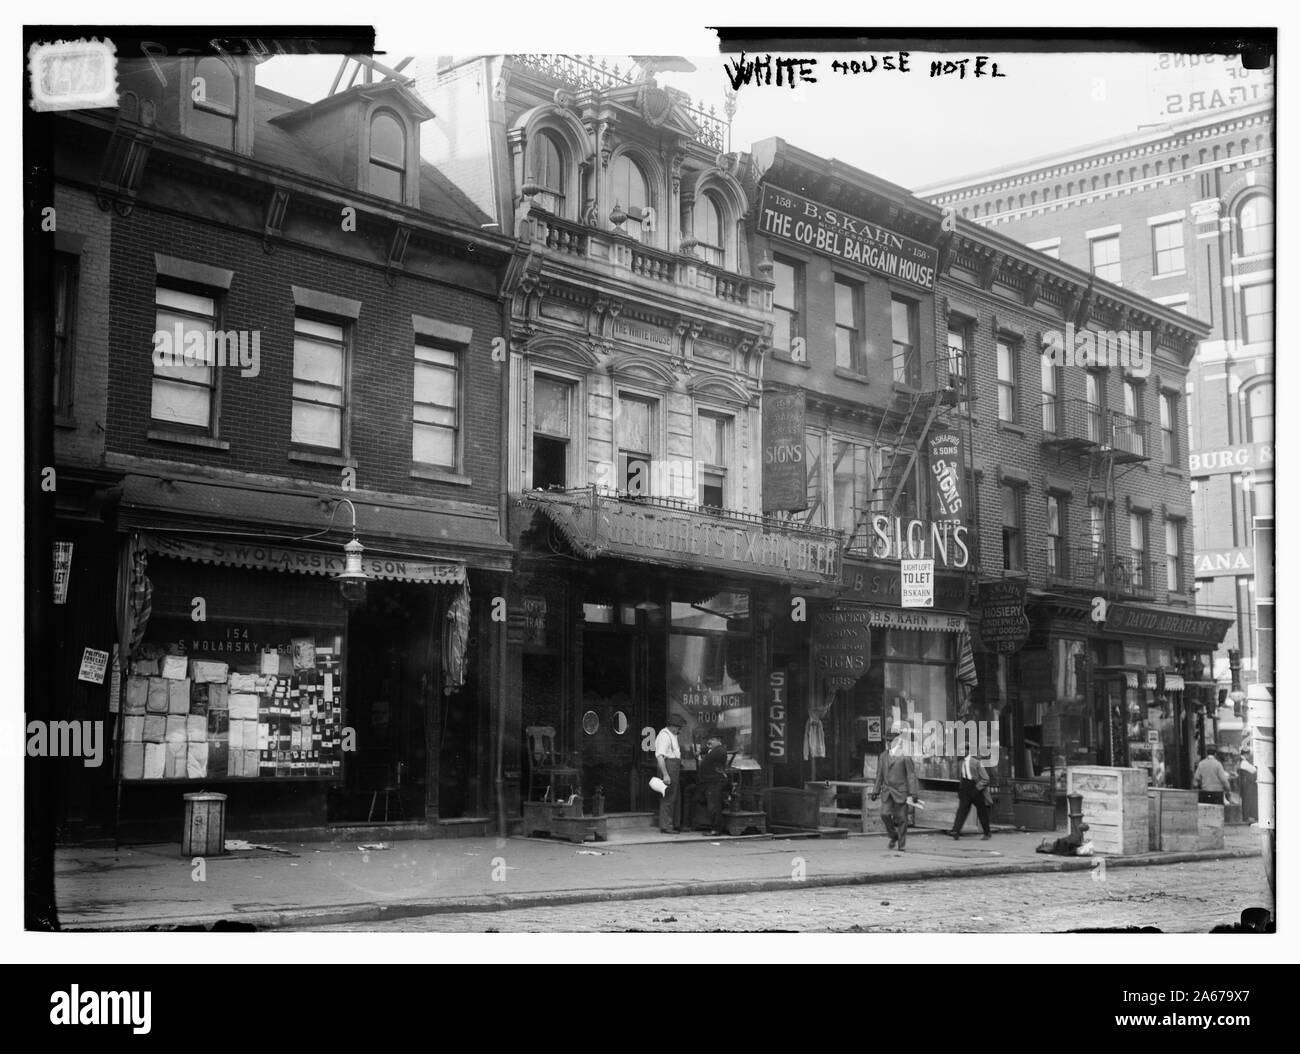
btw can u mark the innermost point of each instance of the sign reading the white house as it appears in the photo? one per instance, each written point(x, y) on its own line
point(843, 237)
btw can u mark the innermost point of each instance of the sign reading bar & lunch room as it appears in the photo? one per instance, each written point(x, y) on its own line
point(830, 232)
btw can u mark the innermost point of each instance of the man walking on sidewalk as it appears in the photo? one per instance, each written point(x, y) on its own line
point(970, 791)
point(896, 786)
point(668, 756)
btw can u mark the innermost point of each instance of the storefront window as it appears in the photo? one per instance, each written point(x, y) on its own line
point(710, 670)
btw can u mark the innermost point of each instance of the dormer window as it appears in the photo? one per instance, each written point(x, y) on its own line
point(710, 230)
point(213, 101)
point(387, 157)
point(548, 172)
point(628, 187)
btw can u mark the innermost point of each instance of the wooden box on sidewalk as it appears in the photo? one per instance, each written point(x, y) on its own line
point(1114, 807)
point(1171, 820)
point(1209, 826)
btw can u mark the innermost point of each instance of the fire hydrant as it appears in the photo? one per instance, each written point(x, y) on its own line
point(1077, 826)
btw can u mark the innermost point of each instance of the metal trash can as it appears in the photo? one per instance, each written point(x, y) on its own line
point(205, 825)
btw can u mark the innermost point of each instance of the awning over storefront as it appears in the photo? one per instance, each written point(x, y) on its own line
point(676, 534)
point(454, 534)
point(309, 561)
point(902, 618)
point(1173, 681)
point(1176, 627)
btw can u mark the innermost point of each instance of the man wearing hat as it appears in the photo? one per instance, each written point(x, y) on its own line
point(896, 786)
point(668, 755)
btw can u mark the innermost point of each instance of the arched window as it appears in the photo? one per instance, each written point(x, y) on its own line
point(710, 230)
point(629, 188)
point(548, 172)
point(1255, 220)
point(213, 96)
point(387, 157)
point(1259, 413)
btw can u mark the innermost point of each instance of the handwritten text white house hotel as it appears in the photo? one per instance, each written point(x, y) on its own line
point(804, 222)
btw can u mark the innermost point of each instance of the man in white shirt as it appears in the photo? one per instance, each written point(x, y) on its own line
point(970, 791)
point(668, 756)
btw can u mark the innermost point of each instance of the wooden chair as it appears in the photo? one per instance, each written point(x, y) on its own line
point(546, 769)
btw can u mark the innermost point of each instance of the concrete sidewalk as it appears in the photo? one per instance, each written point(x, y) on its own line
point(154, 887)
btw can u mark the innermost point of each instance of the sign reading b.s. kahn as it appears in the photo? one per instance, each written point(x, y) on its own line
point(832, 233)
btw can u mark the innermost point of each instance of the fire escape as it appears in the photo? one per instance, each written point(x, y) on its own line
point(1109, 444)
point(900, 438)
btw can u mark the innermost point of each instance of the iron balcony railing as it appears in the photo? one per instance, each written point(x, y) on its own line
point(1080, 423)
point(579, 72)
point(1127, 575)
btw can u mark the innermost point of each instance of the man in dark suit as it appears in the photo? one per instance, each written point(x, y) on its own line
point(970, 791)
point(896, 786)
point(711, 774)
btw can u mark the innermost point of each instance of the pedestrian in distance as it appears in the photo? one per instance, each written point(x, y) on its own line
point(668, 756)
point(896, 787)
point(1211, 779)
point(972, 788)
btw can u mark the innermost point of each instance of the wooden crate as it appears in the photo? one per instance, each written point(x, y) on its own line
point(1115, 807)
point(1171, 820)
point(1209, 826)
point(791, 807)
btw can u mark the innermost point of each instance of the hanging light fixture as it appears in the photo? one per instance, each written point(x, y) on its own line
point(352, 579)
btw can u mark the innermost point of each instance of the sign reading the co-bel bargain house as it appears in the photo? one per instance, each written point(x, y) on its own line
point(830, 232)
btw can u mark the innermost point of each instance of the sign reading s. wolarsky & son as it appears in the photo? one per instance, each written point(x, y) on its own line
point(850, 238)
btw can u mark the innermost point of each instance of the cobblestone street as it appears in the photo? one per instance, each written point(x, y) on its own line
point(1182, 898)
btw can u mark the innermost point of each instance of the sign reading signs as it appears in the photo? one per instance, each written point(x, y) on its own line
point(785, 469)
point(918, 583)
point(842, 237)
point(776, 715)
point(1003, 625)
point(842, 647)
point(947, 492)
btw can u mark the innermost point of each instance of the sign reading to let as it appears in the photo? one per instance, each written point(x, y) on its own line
point(787, 215)
point(1003, 625)
point(785, 467)
point(918, 583)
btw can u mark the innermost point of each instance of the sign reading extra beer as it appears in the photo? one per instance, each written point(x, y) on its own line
point(842, 647)
point(1003, 625)
point(843, 237)
point(785, 467)
point(947, 463)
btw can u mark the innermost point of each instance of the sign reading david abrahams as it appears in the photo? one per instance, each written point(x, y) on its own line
point(1003, 626)
point(785, 467)
point(844, 237)
point(947, 490)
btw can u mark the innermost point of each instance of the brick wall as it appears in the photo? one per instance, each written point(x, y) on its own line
point(255, 412)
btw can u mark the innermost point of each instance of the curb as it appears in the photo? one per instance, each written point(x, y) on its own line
point(349, 913)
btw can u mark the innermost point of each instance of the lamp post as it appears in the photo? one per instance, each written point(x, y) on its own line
point(352, 579)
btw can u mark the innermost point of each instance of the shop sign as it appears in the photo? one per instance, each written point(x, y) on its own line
point(1171, 625)
point(62, 571)
point(945, 542)
point(94, 664)
point(841, 647)
point(886, 618)
point(777, 715)
point(832, 233)
point(883, 583)
point(642, 333)
point(918, 583)
point(1003, 626)
point(303, 561)
point(603, 525)
point(947, 477)
point(785, 468)
point(535, 620)
point(1253, 457)
point(1217, 563)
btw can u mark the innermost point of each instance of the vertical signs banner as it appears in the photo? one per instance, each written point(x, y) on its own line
point(947, 476)
point(785, 471)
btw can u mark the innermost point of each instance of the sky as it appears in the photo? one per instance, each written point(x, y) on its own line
point(906, 127)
